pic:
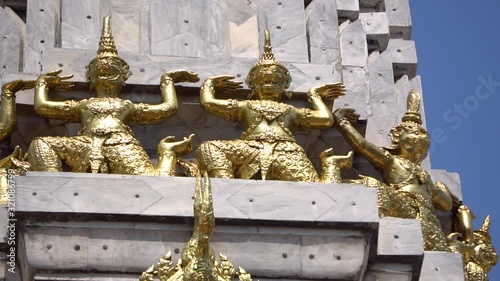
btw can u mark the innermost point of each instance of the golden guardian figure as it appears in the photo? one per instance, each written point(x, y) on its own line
point(408, 191)
point(475, 246)
point(105, 142)
point(267, 148)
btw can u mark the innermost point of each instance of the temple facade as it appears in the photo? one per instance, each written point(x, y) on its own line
point(108, 184)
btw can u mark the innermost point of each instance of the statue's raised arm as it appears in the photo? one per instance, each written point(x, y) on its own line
point(378, 156)
point(66, 110)
point(227, 109)
point(153, 113)
point(8, 117)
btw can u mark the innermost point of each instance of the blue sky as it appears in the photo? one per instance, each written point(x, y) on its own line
point(458, 46)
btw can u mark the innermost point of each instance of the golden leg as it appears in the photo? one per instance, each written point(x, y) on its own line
point(213, 160)
point(42, 157)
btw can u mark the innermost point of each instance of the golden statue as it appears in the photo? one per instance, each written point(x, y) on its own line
point(477, 250)
point(105, 142)
point(197, 259)
point(7, 126)
point(267, 144)
point(408, 191)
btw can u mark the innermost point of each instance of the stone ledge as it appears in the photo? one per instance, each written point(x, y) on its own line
point(88, 195)
point(269, 252)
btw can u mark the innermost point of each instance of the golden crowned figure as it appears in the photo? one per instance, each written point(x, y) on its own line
point(267, 148)
point(105, 142)
point(408, 190)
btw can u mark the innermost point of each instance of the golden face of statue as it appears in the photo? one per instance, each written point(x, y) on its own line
point(485, 253)
point(269, 82)
point(107, 74)
point(412, 142)
point(416, 142)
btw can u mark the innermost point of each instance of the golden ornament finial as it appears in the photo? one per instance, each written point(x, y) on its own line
point(268, 55)
point(485, 228)
point(413, 108)
point(107, 47)
point(268, 60)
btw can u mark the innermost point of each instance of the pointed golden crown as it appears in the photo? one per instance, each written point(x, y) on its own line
point(267, 57)
point(107, 53)
point(107, 47)
point(485, 228)
point(267, 60)
point(412, 114)
point(411, 120)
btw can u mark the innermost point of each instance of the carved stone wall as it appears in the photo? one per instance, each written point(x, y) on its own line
point(366, 44)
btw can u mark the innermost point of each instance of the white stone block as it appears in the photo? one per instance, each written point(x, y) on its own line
point(404, 57)
point(348, 9)
point(388, 272)
point(383, 102)
point(243, 27)
point(81, 23)
point(442, 266)
point(43, 26)
point(400, 237)
point(130, 25)
point(399, 15)
point(284, 19)
point(377, 28)
point(355, 79)
point(188, 29)
point(353, 45)
point(13, 32)
point(322, 31)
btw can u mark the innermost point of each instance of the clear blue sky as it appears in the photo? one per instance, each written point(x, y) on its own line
point(458, 42)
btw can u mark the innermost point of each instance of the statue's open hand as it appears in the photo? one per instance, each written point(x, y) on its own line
point(344, 162)
point(458, 246)
point(58, 83)
point(328, 92)
point(18, 85)
point(226, 84)
point(180, 148)
point(347, 113)
point(181, 76)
